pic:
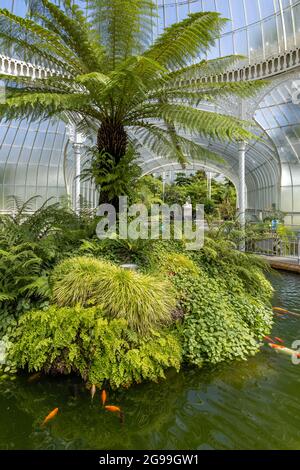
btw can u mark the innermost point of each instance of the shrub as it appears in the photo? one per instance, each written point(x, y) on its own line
point(146, 302)
point(75, 280)
point(219, 325)
point(174, 263)
point(78, 340)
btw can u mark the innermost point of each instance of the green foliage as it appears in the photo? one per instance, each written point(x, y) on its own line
point(146, 302)
point(31, 243)
point(220, 258)
point(149, 191)
point(81, 341)
point(219, 325)
point(174, 263)
point(113, 179)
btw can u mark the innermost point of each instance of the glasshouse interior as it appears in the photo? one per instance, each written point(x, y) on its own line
point(175, 105)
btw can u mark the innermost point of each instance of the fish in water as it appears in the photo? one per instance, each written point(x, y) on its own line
point(93, 390)
point(279, 340)
point(279, 310)
point(50, 416)
point(116, 409)
point(103, 397)
point(283, 311)
point(284, 350)
point(267, 338)
point(34, 377)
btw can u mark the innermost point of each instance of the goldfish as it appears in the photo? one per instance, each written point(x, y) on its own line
point(114, 409)
point(285, 312)
point(267, 338)
point(284, 350)
point(50, 416)
point(279, 340)
point(103, 397)
point(279, 310)
point(34, 377)
point(93, 390)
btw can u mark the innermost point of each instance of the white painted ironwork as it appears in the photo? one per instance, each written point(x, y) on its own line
point(19, 68)
point(77, 140)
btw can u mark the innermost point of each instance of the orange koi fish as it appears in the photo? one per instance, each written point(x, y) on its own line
point(103, 397)
point(279, 310)
point(34, 377)
point(50, 416)
point(285, 312)
point(279, 340)
point(114, 409)
point(267, 338)
point(93, 391)
point(284, 350)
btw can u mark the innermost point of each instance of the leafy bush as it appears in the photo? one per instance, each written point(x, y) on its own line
point(174, 263)
point(77, 340)
point(146, 302)
point(31, 243)
point(219, 325)
point(118, 250)
point(239, 270)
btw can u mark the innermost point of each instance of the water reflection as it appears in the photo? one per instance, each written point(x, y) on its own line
point(251, 405)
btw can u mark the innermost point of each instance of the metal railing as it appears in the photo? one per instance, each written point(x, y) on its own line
point(287, 247)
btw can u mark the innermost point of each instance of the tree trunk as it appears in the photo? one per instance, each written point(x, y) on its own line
point(111, 139)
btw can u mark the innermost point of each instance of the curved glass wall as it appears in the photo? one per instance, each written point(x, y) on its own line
point(35, 158)
point(280, 118)
point(257, 29)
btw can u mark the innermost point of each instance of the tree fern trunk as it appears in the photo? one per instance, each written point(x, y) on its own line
point(112, 140)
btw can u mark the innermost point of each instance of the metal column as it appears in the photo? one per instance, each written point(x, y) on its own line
point(242, 184)
point(77, 155)
point(76, 139)
point(209, 177)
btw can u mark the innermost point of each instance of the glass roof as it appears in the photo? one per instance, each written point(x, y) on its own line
point(32, 155)
point(256, 28)
point(280, 118)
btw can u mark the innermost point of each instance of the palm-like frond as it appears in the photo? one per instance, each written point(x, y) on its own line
point(184, 41)
point(125, 27)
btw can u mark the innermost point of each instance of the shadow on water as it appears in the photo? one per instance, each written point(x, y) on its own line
point(251, 405)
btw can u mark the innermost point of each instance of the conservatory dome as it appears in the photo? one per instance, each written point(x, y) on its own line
point(37, 157)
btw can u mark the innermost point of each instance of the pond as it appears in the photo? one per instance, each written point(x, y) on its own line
point(253, 405)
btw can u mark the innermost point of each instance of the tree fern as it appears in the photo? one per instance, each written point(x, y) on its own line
point(108, 79)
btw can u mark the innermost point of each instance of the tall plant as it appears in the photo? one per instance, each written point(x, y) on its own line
point(109, 76)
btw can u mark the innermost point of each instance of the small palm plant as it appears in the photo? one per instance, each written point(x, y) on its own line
point(108, 76)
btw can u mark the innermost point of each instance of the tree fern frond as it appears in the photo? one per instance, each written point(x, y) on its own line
point(158, 141)
point(44, 105)
point(182, 42)
point(205, 123)
point(125, 27)
point(24, 28)
point(196, 91)
point(205, 68)
point(31, 51)
point(77, 34)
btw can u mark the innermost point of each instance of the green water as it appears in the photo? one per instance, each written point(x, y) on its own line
point(255, 405)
